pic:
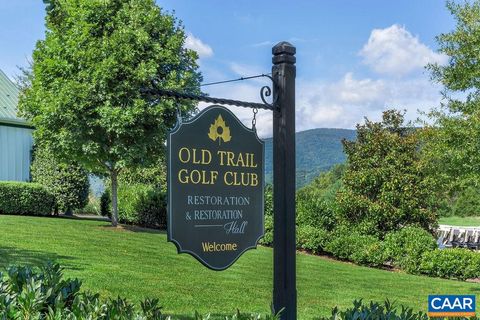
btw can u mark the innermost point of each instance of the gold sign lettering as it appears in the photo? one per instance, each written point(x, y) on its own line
point(195, 156)
point(228, 158)
point(197, 176)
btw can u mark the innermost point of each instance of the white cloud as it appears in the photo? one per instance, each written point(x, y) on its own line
point(347, 100)
point(338, 104)
point(194, 43)
point(344, 103)
point(395, 51)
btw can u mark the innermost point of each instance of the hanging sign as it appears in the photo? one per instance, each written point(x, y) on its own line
point(215, 187)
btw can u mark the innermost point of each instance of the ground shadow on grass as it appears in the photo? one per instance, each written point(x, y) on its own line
point(475, 289)
point(16, 256)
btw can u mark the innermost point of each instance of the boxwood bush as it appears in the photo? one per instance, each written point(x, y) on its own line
point(454, 263)
point(267, 239)
point(152, 209)
point(311, 239)
point(138, 204)
point(406, 247)
point(349, 244)
point(25, 198)
point(68, 182)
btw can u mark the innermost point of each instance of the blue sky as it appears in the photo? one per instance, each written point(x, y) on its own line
point(354, 58)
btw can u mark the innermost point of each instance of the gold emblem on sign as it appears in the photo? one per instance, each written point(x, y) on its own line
point(219, 130)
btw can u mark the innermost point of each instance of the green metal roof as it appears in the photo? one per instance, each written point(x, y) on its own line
point(8, 101)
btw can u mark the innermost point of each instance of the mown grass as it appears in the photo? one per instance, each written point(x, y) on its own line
point(461, 221)
point(140, 263)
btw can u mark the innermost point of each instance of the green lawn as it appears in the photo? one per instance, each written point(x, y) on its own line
point(461, 221)
point(137, 264)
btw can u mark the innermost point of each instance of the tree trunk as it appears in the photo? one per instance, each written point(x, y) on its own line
point(69, 212)
point(113, 175)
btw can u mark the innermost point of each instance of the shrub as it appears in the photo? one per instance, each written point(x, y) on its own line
point(267, 239)
point(342, 243)
point(375, 310)
point(92, 207)
point(152, 209)
point(268, 199)
point(105, 202)
point(138, 204)
point(384, 185)
point(467, 203)
point(351, 245)
point(27, 293)
point(129, 200)
point(369, 251)
point(454, 263)
point(25, 198)
point(68, 182)
point(316, 208)
point(316, 202)
point(311, 238)
point(406, 247)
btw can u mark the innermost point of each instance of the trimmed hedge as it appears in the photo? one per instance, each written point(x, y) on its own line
point(351, 245)
point(138, 204)
point(68, 182)
point(25, 198)
point(152, 210)
point(406, 247)
point(311, 238)
point(267, 239)
point(454, 263)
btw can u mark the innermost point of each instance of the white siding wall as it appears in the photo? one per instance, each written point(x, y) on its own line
point(15, 146)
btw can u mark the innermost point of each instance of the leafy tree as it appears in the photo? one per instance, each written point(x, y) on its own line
point(85, 95)
point(452, 148)
point(468, 203)
point(384, 187)
point(154, 175)
point(68, 182)
point(316, 204)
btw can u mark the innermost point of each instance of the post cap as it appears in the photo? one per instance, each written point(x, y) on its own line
point(284, 47)
point(284, 52)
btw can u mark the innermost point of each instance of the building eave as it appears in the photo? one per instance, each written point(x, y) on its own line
point(18, 123)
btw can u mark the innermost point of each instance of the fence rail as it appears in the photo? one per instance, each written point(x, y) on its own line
point(454, 236)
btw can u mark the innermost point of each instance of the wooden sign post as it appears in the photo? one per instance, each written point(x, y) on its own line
point(284, 242)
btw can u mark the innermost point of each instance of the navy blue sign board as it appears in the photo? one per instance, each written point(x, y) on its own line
point(215, 187)
point(442, 306)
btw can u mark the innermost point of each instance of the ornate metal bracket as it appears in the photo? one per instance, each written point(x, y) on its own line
point(265, 92)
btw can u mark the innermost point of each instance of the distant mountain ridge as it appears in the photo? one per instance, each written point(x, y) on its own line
point(317, 150)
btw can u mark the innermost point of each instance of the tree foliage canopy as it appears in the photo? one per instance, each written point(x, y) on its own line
point(384, 187)
point(85, 96)
point(452, 148)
